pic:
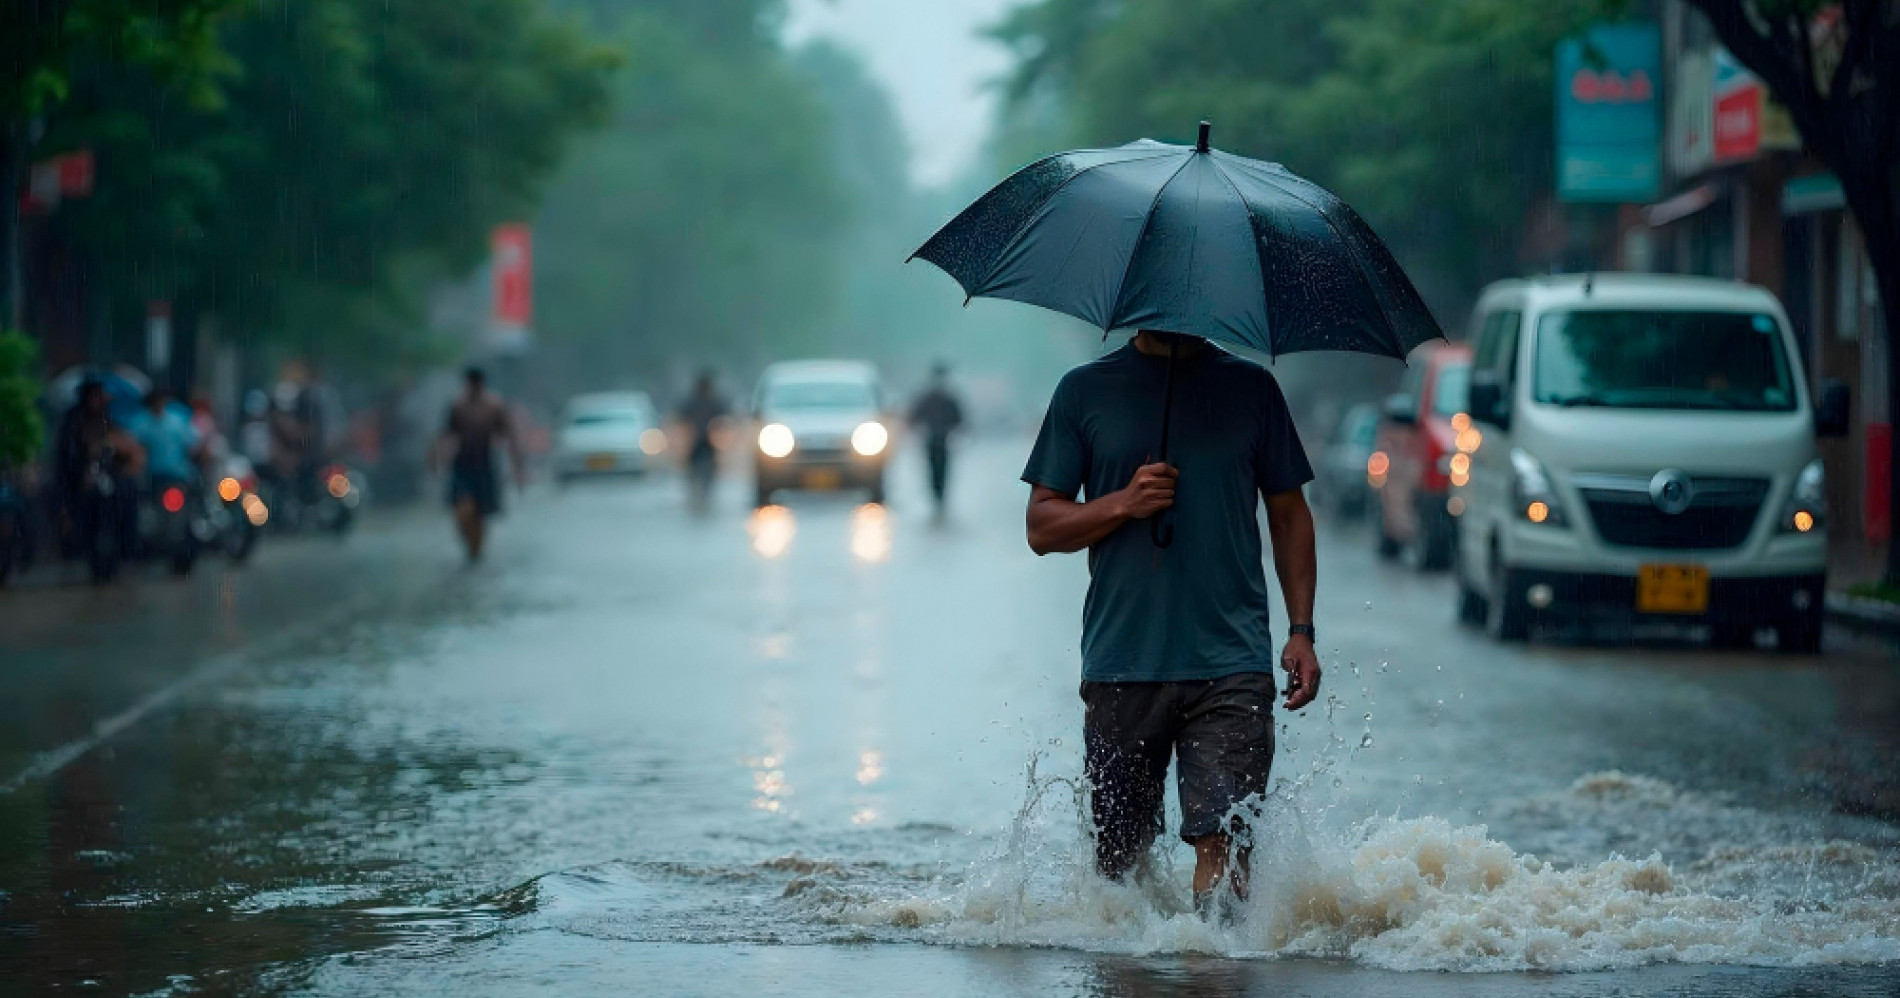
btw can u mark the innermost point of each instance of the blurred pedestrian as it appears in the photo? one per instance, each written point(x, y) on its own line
point(477, 422)
point(173, 448)
point(938, 413)
point(1177, 657)
point(703, 412)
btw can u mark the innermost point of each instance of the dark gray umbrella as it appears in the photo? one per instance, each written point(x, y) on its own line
point(1186, 239)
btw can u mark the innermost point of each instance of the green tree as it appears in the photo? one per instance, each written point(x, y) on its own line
point(702, 224)
point(1835, 66)
point(20, 430)
point(360, 147)
point(173, 38)
point(1434, 120)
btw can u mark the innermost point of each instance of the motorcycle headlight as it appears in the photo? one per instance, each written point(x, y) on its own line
point(1806, 508)
point(870, 438)
point(1533, 495)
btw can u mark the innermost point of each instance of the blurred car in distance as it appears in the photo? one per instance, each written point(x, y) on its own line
point(821, 427)
point(1341, 483)
point(607, 433)
point(1416, 458)
point(1648, 452)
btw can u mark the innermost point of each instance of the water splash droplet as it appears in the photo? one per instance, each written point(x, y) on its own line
point(1365, 740)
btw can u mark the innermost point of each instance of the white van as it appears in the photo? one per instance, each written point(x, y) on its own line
point(1642, 446)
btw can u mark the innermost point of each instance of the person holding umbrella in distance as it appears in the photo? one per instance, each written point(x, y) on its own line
point(1188, 245)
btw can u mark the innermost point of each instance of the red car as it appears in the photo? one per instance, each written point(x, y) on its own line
point(1418, 458)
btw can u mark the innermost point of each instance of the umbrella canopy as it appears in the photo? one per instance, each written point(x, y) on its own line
point(125, 387)
point(1186, 239)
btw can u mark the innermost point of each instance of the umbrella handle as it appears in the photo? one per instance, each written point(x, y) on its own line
point(1160, 531)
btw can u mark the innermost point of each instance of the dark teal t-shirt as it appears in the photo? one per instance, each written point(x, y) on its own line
point(1199, 610)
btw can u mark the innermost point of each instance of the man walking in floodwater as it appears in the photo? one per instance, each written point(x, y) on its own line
point(478, 420)
point(1177, 657)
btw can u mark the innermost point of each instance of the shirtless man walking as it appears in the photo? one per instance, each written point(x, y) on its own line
point(476, 420)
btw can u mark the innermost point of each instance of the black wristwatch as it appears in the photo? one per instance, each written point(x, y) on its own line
point(1305, 629)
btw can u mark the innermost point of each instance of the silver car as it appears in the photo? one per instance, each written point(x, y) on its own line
point(607, 433)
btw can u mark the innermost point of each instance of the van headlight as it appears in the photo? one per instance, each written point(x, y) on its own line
point(1806, 508)
point(776, 440)
point(870, 438)
point(1532, 493)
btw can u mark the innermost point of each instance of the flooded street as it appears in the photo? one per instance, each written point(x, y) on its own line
point(827, 747)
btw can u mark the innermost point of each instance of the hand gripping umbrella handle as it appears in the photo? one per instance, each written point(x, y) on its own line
point(1159, 529)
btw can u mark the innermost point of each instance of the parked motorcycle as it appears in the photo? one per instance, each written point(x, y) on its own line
point(236, 512)
point(325, 501)
point(172, 523)
point(16, 535)
point(104, 517)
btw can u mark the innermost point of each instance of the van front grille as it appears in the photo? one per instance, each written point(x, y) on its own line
point(1721, 513)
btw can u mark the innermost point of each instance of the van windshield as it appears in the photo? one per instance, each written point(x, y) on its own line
point(1662, 360)
point(852, 395)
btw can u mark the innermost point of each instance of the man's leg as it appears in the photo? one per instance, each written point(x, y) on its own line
point(1225, 754)
point(939, 470)
point(468, 522)
point(1127, 740)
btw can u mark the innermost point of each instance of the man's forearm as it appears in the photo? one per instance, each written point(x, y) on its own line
point(1060, 525)
point(1295, 556)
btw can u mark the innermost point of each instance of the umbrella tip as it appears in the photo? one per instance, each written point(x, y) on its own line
point(1201, 144)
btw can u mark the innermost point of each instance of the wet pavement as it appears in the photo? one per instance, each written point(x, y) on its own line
point(830, 747)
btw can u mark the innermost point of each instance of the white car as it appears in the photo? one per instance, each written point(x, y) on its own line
point(821, 427)
point(608, 433)
point(1644, 447)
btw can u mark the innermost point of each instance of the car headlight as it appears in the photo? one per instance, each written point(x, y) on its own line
point(1533, 495)
point(1806, 508)
point(870, 439)
point(776, 440)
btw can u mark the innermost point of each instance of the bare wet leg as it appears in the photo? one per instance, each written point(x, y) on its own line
point(468, 522)
point(1210, 865)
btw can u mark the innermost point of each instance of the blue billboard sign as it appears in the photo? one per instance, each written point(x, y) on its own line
point(1609, 127)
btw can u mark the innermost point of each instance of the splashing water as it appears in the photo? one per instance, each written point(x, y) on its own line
point(1411, 894)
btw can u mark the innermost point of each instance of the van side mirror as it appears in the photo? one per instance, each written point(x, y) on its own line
point(1488, 402)
point(1831, 411)
point(1402, 409)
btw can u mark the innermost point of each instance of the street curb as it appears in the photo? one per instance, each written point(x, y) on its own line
point(1869, 614)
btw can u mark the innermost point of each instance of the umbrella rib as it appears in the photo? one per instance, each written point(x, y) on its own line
point(1260, 262)
point(1135, 250)
point(1359, 271)
point(1041, 210)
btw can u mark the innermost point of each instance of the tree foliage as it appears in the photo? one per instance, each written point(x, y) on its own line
point(20, 430)
point(703, 223)
point(355, 142)
point(1433, 119)
point(1836, 67)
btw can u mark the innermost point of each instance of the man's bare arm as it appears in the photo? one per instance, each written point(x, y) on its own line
point(1057, 523)
point(1296, 562)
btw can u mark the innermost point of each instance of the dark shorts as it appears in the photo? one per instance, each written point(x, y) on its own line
point(477, 482)
point(1219, 733)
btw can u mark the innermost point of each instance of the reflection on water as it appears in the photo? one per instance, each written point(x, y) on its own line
point(870, 766)
point(772, 529)
point(870, 533)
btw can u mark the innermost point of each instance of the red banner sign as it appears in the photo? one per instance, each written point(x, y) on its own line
point(512, 263)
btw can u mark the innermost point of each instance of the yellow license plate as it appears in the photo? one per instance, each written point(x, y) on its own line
point(1672, 589)
point(600, 462)
point(821, 478)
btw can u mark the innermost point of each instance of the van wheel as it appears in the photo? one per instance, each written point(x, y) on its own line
point(1506, 617)
point(1800, 635)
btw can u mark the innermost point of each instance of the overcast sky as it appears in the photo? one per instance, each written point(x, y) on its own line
point(929, 56)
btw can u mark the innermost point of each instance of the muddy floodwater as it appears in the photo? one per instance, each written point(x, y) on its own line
point(831, 748)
